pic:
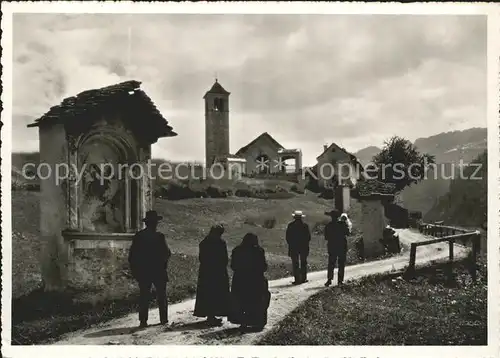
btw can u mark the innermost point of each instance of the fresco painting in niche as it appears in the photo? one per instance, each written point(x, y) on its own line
point(102, 200)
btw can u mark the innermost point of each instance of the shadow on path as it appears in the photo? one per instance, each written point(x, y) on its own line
point(224, 333)
point(113, 332)
point(191, 326)
point(283, 285)
point(118, 331)
point(229, 332)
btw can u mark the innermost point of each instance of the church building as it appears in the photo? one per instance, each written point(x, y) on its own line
point(263, 155)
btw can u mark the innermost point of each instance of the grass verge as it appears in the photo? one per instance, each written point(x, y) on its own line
point(383, 310)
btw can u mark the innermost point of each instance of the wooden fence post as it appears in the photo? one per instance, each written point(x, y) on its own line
point(450, 263)
point(450, 244)
point(475, 249)
point(410, 272)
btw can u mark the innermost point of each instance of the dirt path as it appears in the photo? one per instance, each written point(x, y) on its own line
point(187, 329)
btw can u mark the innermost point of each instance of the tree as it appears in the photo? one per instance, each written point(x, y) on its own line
point(400, 163)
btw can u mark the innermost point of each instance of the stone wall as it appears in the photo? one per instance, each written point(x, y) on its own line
point(53, 214)
point(100, 265)
point(373, 224)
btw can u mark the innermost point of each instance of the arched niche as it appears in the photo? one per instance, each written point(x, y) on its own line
point(108, 194)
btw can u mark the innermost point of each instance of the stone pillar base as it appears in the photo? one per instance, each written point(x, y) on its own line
point(99, 261)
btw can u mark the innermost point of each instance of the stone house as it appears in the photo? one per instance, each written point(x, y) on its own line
point(103, 138)
point(374, 196)
point(333, 160)
point(265, 155)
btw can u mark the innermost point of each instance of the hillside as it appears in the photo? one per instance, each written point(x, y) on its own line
point(466, 202)
point(366, 155)
point(447, 148)
point(450, 147)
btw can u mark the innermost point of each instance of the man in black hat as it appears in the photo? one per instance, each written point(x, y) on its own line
point(148, 259)
point(298, 237)
point(336, 232)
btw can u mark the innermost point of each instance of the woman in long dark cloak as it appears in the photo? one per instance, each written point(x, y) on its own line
point(212, 293)
point(249, 292)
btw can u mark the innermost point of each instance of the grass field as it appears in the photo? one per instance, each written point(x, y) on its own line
point(384, 310)
point(38, 316)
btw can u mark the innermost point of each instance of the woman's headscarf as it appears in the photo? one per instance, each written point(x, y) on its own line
point(347, 221)
point(250, 239)
point(216, 230)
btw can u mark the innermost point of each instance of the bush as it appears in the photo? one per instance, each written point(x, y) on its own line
point(269, 223)
point(32, 187)
point(295, 189)
point(273, 195)
point(214, 191)
point(312, 183)
point(359, 245)
point(178, 191)
point(326, 194)
point(280, 189)
point(390, 241)
point(319, 227)
point(244, 193)
point(250, 221)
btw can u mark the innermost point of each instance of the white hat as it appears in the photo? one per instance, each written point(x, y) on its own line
point(297, 213)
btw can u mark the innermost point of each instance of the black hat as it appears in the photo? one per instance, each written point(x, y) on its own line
point(152, 215)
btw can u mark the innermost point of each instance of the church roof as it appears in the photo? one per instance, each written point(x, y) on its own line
point(262, 136)
point(126, 96)
point(217, 88)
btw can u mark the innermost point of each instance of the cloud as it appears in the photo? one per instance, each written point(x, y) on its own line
point(352, 79)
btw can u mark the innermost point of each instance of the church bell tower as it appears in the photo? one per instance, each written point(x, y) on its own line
point(216, 123)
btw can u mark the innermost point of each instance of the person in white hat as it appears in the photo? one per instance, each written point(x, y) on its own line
point(298, 237)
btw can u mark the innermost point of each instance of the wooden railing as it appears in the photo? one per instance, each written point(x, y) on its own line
point(451, 235)
point(439, 230)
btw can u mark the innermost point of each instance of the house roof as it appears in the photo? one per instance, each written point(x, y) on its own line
point(371, 189)
point(217, 89)
point(262, 136)
point(352, 156)
point(126, 96)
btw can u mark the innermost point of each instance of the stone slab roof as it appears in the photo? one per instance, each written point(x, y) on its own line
point(88, 103)
point(372, 189)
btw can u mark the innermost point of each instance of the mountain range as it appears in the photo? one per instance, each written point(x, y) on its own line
point(448, 148)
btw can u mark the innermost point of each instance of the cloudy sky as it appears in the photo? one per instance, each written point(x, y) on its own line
point(307, 80)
